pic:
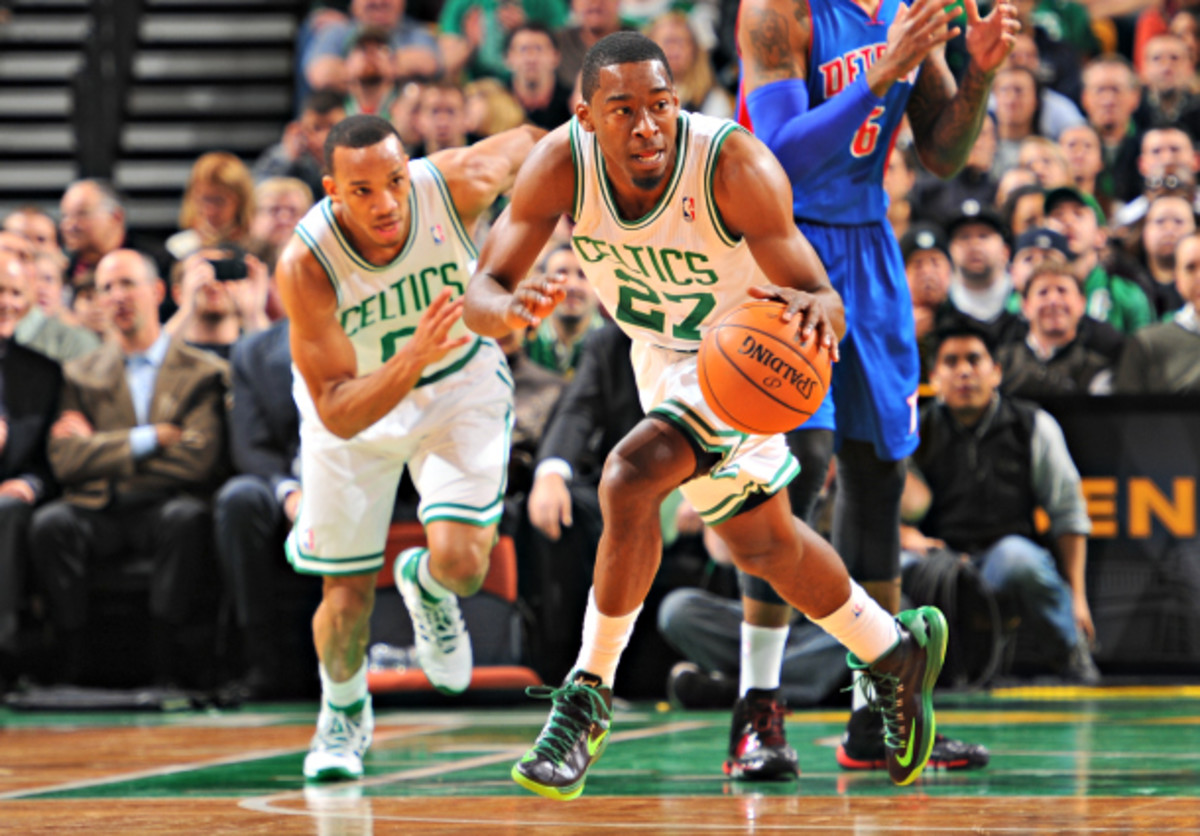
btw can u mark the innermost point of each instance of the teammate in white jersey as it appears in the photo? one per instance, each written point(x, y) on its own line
point(677, 217)
point(386, 377)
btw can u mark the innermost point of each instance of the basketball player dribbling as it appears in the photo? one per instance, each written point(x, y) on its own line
point(678, 218)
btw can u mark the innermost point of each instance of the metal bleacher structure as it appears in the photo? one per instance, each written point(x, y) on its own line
point(134, 91)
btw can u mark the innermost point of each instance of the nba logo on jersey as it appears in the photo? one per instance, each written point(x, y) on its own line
point(689, 209)
point(308, 540)
point(438, 235)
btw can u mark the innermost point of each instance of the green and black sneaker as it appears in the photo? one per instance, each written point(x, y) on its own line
point(572, 739)
point(903, 680)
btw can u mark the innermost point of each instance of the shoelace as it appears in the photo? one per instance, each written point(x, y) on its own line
point(767, 721)
point(440, 624)
point(340, 733)
point(576, 707)
point(883, 702)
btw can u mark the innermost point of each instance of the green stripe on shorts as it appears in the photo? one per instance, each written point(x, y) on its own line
point(308, 564)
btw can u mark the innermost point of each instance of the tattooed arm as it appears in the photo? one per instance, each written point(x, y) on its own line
point(945, 118)
point(773, 39)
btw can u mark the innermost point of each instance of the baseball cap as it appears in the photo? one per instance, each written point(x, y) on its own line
point(923, 236)
point(1044, 239)
point(972, 211)
point(1072, 194)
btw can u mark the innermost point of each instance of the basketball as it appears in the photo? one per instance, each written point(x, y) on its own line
point(756, 375)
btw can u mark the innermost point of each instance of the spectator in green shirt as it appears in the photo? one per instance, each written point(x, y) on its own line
point(473, 32)
point(557, 343)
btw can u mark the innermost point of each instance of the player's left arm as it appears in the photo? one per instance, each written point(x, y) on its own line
point(754, 198)
point(945, 117)
point(478, 174)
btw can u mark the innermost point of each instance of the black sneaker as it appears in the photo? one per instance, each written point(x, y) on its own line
point(1081, 667)
point(690, 687)
point(758, 747)
point(573, 738)
point(862, 747)
point(903, 681)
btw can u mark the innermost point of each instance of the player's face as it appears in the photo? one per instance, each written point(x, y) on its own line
point(1187, 269)
point(634, 114)
point(1053, 305)
point(965, 376)
point(372, 185)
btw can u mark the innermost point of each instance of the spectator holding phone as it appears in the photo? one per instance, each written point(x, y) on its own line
point(222, 295)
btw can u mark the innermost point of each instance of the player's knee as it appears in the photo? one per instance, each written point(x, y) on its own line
point(348, 604)
point(460, 566)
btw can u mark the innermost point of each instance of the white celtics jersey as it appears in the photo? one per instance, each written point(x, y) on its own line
point(669, 275)
point(378, 307)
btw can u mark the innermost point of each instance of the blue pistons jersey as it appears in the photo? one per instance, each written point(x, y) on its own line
point(845, 42)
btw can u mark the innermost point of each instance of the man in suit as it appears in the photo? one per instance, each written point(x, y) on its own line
point(255, 509)
point(138, 447)
point(596, 409)
point(29, 387)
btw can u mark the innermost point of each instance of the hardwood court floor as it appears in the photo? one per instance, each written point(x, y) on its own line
point(1063, 761)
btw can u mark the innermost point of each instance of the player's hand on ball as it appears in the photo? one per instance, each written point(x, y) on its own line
point(817, 312)
point(431, 341)
point(534, 299)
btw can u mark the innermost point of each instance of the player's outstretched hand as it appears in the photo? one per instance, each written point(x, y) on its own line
point(991, 39)
point(533, 300)
point(431, 342)
point(816, 311)
point(917, 30)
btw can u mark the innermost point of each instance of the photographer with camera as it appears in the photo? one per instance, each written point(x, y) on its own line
point(222, 295)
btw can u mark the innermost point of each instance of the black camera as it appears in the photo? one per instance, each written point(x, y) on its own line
point(230, 268)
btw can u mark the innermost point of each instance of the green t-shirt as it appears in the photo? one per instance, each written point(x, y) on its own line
point(1117, 301)
point(488, 60)
point(544, 348)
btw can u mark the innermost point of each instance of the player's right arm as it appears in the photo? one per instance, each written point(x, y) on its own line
point(502, 297)
point(346, 403)
point(774, 37)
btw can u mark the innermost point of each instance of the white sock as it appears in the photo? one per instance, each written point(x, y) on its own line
point(762, 657)
point(341, 695)
point(862, 692)
point(604, 640)
point(865, 628)
point(428, 582)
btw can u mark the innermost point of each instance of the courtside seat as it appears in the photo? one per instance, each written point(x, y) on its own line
point(501, 582)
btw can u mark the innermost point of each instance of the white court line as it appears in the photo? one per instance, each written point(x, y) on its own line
point(176, 769)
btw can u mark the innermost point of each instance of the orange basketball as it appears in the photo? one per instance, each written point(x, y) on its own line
point(756, 375)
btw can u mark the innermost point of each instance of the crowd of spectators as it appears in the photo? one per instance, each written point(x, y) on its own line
point(1069, 240)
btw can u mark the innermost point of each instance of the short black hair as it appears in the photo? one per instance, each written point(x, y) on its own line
point(618, 48)
point(359, 131)
point(961, 328)
point(530, 26)
point(371, 36)
point(323, 101)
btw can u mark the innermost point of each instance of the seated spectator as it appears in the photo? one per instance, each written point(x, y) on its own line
point(414, 51)
point(1041, 49)
point(255, 510)
point(1085, 161)
point(49, 289)
point(1168, 164)
point(1046, 160)
point(532, 56)
point(1165, 357)
point(1111, 95)
point(38, 227)
point(1032, 247)
point(1016, 105)
point(1185, 25)
point(980, 284)
point(927, 267)
point(937, 200)
point(1052, 359)
point(473, 33)
point(29, 391)
point(557, 342)
point(88, 312)
point(1110, 297)
point(218, 205)
point(279, 204)
point(1024, 209)
point(403, 116)
point(301, 152)
point(899, 179)
point(49, 335)
point(441, 119)
point(987, 461)
point(591, 21)
point(1168, 219)
point(370, 75)
point(138, 448)
point(598, 406)
point(491, 109)
point(92, 222)
point(1166, 74)
point(1057, 110)
point(218, 307)
point(691, 65)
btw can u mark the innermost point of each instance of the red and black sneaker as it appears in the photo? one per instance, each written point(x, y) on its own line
point(862, 747)
point(758, 747)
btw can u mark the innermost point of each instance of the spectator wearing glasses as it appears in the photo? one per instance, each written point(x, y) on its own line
point(557, 342)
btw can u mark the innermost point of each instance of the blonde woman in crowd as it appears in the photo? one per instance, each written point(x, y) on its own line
point(218, 205)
